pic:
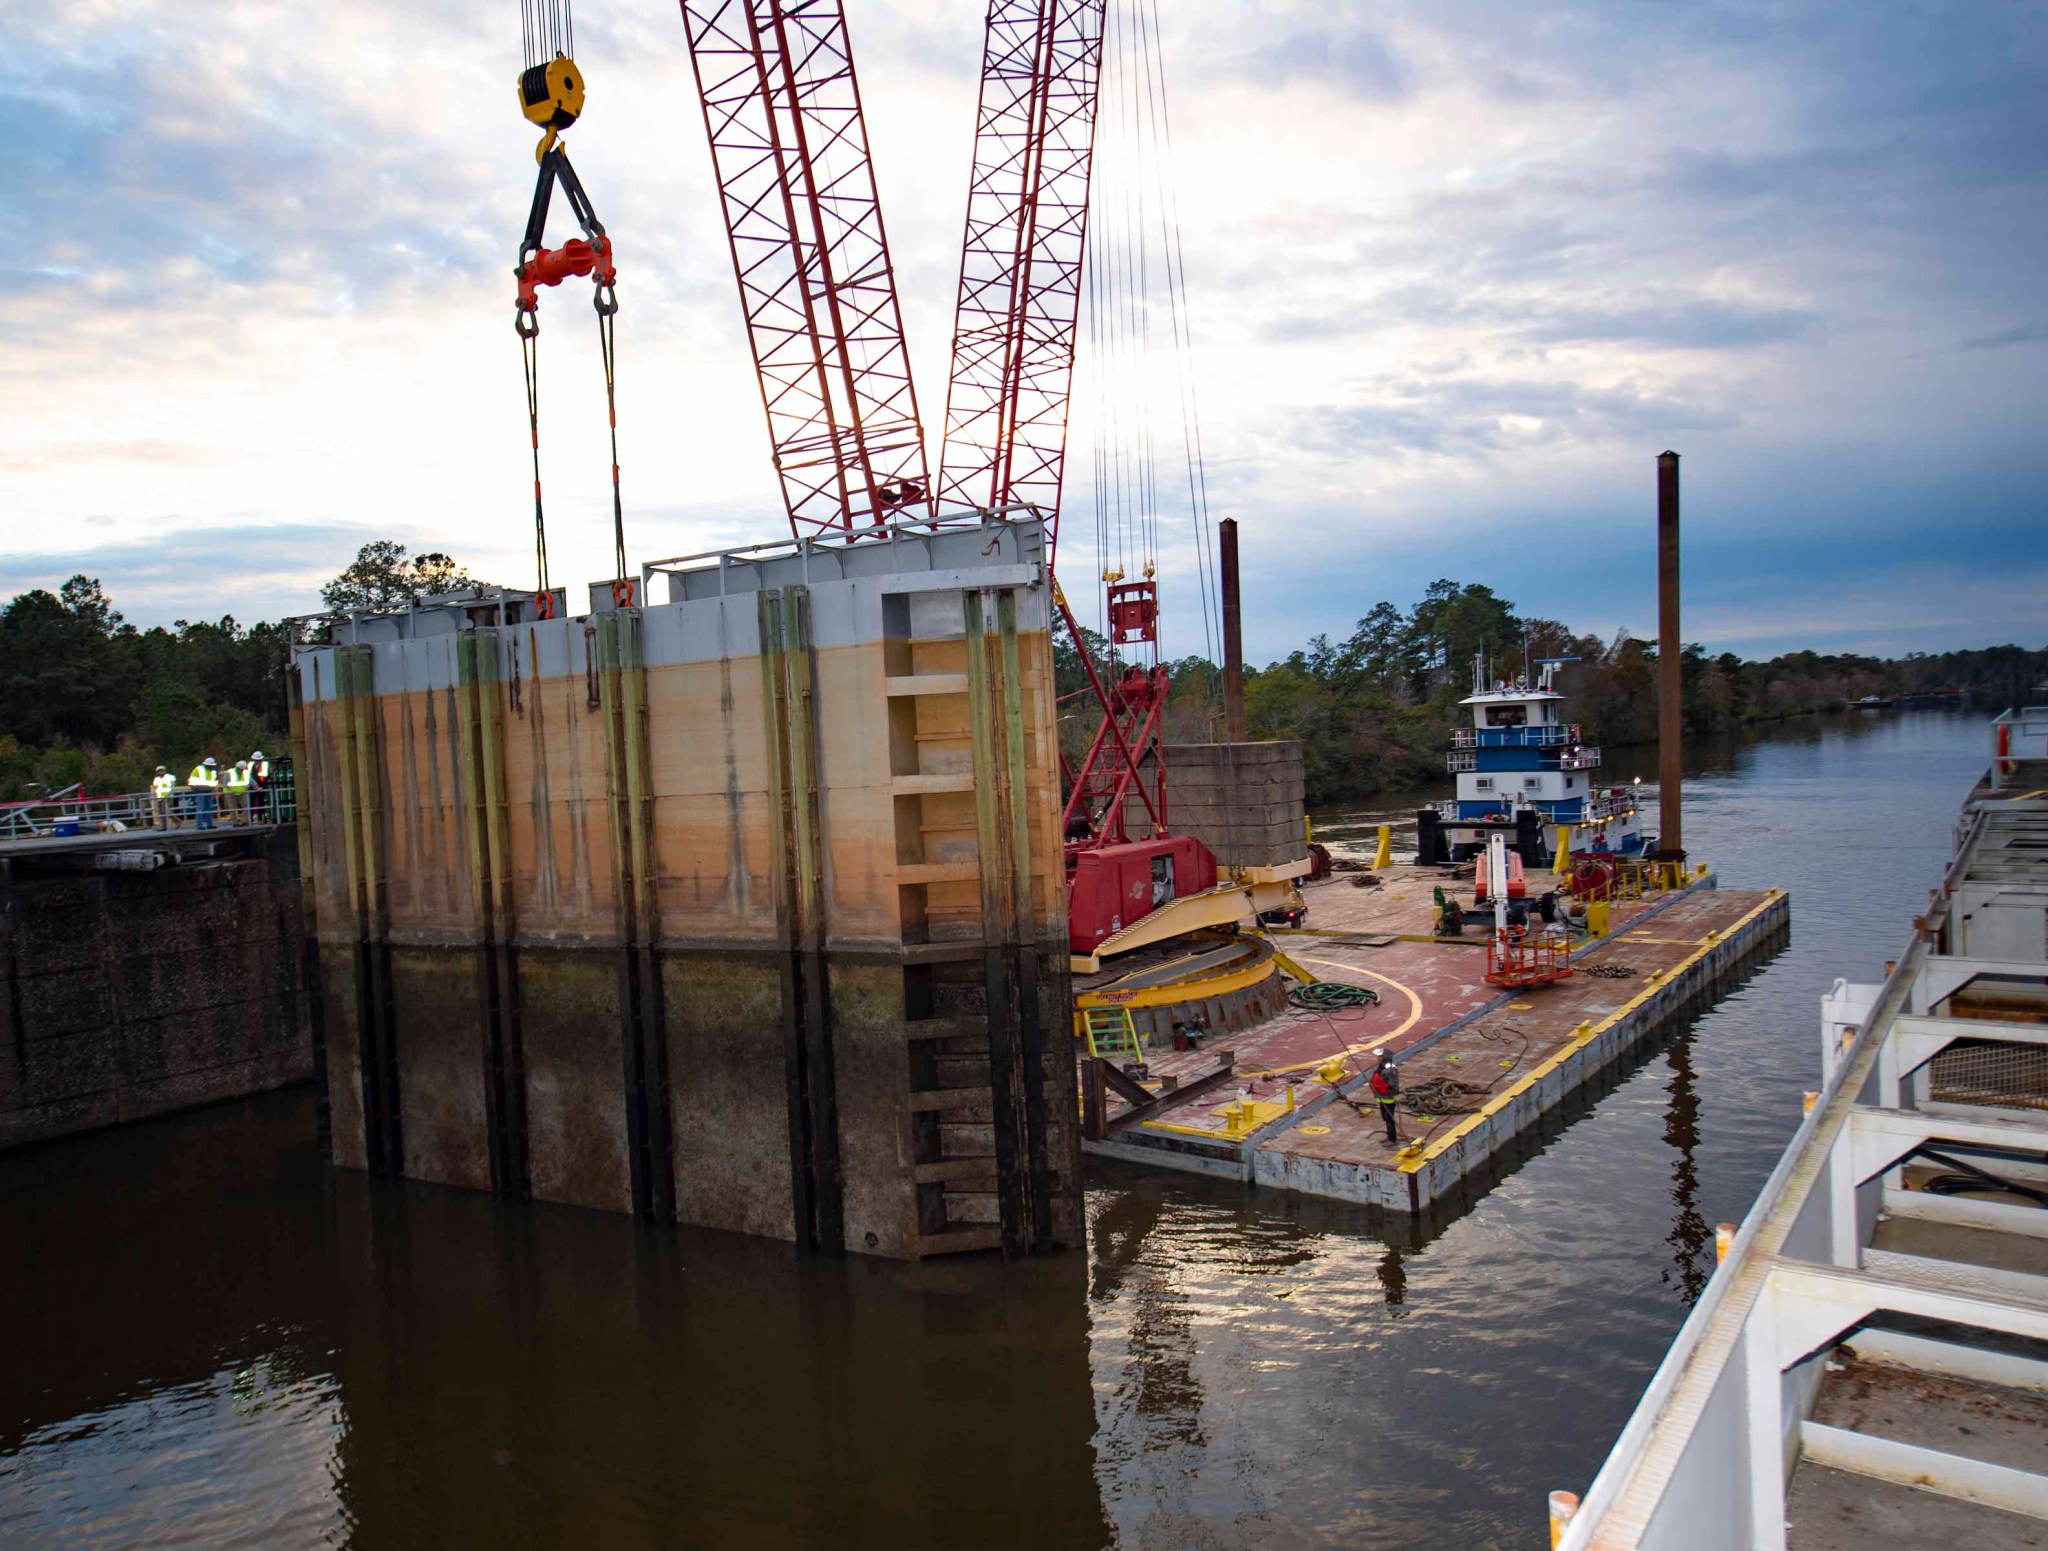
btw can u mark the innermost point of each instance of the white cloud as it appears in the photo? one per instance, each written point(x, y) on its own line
point(1457, 271)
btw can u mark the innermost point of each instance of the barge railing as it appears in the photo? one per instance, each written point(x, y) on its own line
point(1706, 1460)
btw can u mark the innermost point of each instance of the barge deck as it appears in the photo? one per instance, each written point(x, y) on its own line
point(1479, 1066)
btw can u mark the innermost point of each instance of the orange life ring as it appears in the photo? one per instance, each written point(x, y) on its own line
point(622, 593)
point(544, 605)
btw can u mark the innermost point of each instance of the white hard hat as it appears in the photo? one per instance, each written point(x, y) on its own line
point(211, 760)
point(1380, 1051)
point(257, 755)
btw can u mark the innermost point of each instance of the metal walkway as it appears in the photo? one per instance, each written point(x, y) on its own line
point(1869, 1366)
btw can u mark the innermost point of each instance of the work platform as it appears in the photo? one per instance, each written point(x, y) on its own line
point(1494, 1061)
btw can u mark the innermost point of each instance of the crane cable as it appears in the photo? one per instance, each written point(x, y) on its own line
point(1136, 268)
point(551, 94)
point(607, 340)
point(529, 351)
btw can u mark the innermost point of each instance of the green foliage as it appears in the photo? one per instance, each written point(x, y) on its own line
point(1375, 710)
point(381, 577)
point(86, 697)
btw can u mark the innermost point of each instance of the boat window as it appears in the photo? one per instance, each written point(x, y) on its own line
point(1532, 782)
point(1507, 715)
point(1484, 783)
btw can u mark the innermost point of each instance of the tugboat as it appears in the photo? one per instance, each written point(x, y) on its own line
point(1522, 771)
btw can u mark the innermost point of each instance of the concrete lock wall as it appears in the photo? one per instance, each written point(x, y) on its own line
point(1244, 801)
point(745, 909)
point(131, 994)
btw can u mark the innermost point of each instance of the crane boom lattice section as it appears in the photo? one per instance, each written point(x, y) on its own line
point(790, 152)
point(1020, 271)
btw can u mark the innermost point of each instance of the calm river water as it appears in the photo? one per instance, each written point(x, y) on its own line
point(210, 1339)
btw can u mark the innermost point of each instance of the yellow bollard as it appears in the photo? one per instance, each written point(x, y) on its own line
point(1562, 863)
point(1596, 917)
point(1564, 1507)
point(1724, 1240)
point(1383, 858)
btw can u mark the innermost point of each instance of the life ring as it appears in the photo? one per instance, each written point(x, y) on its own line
point(544, 605)
point(622, 593)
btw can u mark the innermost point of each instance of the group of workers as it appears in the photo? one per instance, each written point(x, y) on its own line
point(245, 785)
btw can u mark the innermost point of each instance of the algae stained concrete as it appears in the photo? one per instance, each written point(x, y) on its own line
point(131, 994)
point(654, 901)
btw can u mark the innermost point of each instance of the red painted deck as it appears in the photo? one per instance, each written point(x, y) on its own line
point(1425, 987)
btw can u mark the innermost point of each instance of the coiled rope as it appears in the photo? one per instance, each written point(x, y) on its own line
point(1330, 995)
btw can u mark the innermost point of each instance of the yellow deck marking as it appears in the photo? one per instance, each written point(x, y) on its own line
point(1414, 1017)
point(1575, 1042)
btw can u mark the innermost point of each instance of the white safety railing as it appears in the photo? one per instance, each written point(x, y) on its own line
point(1705, 1462)
point(66, 813)
point(1547, 737)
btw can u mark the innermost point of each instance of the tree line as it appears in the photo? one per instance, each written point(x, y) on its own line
point(87, 697)
point(1374, 711)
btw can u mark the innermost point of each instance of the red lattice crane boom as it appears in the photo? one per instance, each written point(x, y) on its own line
point(1020, 269)
point(789, 150)
point(1007, 402)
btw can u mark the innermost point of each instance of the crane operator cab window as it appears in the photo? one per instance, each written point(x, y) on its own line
point(1162, 880)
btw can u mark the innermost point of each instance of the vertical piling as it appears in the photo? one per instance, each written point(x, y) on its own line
point(1670, 656)
point(798, 878)
point(309, 915)
point(1233, 634)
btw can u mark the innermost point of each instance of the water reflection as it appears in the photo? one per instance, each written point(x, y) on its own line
point(216, 1342)
point(213, 1341)
point(1689, 1231)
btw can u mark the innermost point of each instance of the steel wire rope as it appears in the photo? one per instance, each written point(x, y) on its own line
point(1175, 262)
point(529, 351)
point(608, 346)
point(546, 28)
point(1138, 267)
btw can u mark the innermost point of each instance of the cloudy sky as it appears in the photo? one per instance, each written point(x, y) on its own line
point(1458, 270)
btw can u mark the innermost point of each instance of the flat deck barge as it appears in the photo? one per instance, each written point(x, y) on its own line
point(1478, 1065)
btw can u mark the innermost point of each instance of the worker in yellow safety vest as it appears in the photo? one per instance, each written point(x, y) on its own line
point(163, 796)
point(259, 787)
point(205, 784)
point(237, 784)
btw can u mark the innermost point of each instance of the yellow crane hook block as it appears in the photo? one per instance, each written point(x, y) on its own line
point(551, 95)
